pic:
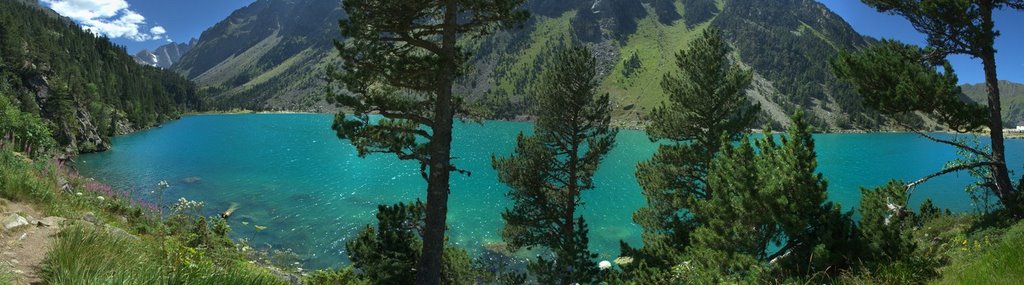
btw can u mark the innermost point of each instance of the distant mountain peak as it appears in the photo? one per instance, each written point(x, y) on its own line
point(166, 55)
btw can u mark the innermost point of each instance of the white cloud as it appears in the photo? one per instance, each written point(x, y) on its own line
point(111, 18)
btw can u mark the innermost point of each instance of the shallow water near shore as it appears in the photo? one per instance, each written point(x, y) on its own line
point(290, 173)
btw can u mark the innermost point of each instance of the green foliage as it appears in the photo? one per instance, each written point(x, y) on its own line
point(254, 61)
point(707, 101)
point(401, 60)
point(769, 212)
point(630, 66)
point(885, 222)
point(997, 262)
point(54, 69)
point(1011, 98)
point(182, 250)
point(548, 172)
point(699, 11)
point(706, 98)
point(898, 79)
point(23, 131)
point(7, 276)
point(388, 254)
point(84, 255)
point(342, 276)
point(786, 42)
point(22, 179)
point(953, 27)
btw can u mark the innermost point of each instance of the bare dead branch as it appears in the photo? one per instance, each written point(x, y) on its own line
point(949, 142)
point(910, 186)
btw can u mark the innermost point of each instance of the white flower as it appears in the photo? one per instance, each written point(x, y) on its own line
point(185, 205)
point(100, 198)
point(604, 265)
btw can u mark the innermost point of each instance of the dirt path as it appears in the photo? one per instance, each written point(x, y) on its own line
point(23, 248)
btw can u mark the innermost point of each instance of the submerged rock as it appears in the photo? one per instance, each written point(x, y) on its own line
point(192, 179)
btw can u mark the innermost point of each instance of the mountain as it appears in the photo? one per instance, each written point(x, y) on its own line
point(267, 55)
point(1011, 97)
point(86, 88)
point(257, 58)
point(165, 55)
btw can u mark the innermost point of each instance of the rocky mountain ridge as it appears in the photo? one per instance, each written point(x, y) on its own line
point(272, 53)
point(164, 56)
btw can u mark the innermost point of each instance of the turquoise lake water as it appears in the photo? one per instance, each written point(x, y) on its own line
point(290, 173)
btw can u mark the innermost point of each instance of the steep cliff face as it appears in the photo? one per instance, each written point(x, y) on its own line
point(260, 58)
point(164, 56)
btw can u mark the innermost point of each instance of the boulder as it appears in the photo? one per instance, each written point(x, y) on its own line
point(13, 221)
point(64, 185)
point(120, 233)
point(90, 217)
point(50, 222)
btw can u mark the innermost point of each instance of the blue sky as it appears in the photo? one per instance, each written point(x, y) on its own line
point(1009, 45)
point(139, 24)
point(146, 24)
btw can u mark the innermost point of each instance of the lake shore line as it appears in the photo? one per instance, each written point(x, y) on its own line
point(625, 124)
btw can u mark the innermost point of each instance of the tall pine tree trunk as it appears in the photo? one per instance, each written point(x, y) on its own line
point(428, 269)
point(1004, 188)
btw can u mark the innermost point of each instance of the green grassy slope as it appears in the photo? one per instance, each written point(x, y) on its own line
point(1011, 97)
point(988, 261)
point(655, 44)
point(127, 241)
point(257, 59)
point(268, 55)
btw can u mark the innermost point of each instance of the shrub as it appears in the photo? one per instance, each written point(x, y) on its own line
point(343, 276)
point(26, 132)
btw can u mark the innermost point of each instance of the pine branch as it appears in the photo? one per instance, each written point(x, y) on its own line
point(910, 186)
point(406, 116)
point(949, 142)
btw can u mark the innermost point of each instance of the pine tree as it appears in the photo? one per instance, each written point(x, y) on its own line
point(388, 254)
point(400, 61)
point(884, 222)
point(953, 27)
point(549, 171)
point(900, 81)
point(770, 212)
point(707, 100)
